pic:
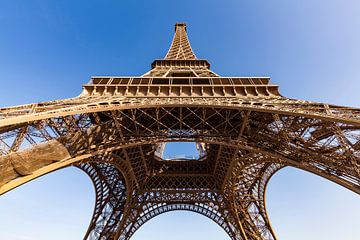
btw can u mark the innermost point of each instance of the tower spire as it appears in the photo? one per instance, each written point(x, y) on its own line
point(180, 47)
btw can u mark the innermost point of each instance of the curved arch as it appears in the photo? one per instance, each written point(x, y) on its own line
point(180, 224)
point(202, 209)
point(111, 195)
point(263, 138)
point(279, 106)
point(69, 160)
point(253, 179)
point(281, 128)
point(247, 188)
point(240, 144)
point(260, 184)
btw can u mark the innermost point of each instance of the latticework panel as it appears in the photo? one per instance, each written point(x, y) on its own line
point(180, 47)
point(116, 129)
point(243, 149)
point(110, 199)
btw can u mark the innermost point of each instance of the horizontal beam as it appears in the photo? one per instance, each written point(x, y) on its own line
point(276, 105)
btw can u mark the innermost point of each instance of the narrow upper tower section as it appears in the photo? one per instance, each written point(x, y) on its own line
point(180, 47)
point(180, 60)
point(180, 74)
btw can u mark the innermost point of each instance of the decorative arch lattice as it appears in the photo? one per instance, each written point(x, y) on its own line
point(111, 131)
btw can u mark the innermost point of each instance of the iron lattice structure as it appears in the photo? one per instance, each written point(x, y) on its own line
point(116, 130)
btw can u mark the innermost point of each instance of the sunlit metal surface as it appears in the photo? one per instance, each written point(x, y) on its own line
point(117, 128)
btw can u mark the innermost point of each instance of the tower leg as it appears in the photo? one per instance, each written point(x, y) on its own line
point(110, 199)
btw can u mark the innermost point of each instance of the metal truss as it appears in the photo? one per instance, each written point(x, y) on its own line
point(116, 129)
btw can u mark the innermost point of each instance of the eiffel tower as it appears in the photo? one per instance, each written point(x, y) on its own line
point(116, 131)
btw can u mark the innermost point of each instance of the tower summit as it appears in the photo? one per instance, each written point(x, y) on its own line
point(180, 47)
point(116, 130)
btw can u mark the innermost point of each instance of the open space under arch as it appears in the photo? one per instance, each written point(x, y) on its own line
point(179, 225)
point(302, 205)
point(293, 197)
point(56, 206)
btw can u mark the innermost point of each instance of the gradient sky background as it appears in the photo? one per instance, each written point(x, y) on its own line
point(48, 49)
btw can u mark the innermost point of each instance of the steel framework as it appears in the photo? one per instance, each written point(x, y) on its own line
point(116, 129)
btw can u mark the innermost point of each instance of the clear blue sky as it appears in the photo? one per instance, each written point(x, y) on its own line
point(48, 49)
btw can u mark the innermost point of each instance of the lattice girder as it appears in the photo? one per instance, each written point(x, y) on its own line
point(29, 113)
point(113, 130)
point(150, 203)
point(300, 142)
point(248, 136)
point(110, 189)
point(180, 46)
point(147, 203)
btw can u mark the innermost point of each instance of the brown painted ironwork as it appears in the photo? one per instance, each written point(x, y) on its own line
point(116, 130)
